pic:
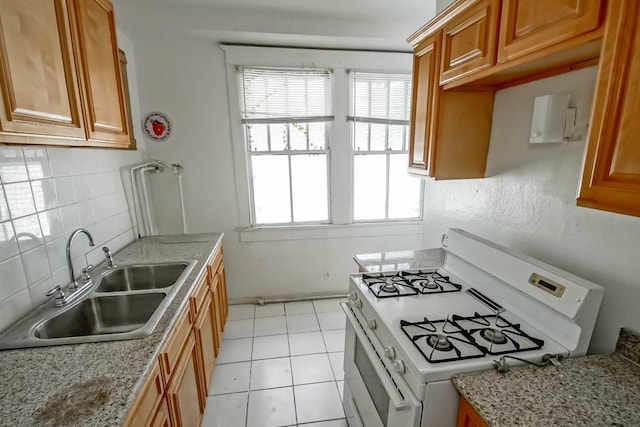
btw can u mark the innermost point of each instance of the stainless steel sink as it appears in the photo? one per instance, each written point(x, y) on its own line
point(101, 315)
point(126, 302)
point(141, 277)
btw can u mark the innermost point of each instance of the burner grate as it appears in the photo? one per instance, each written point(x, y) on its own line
point(440, 340)
point(408, 283)
point(461, 338)
point(496, 335)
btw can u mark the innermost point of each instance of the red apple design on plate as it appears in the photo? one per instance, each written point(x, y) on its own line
point(158, 127)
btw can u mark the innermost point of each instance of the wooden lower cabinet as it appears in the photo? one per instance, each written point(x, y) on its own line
point(206, 343)
point(162, 417)
point(467, 415)
point(149, 402)
point(175, 393)
point(183, 389)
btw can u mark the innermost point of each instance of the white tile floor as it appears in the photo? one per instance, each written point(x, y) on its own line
point(280, 365)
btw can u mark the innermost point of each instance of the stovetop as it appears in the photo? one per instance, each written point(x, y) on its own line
point(460, 338)
point(408, 283)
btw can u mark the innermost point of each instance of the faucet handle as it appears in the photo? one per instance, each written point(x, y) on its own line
point(57, 291)
point(107, 254)
point(85, 272)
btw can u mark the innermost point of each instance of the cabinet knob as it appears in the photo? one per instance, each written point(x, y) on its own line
point(390, 352)
point(398, 366)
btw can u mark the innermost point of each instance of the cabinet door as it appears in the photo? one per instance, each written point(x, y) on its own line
point(100, 65)
point(206, 344)
point(469, 40)
point(611, 175)
point(183, 388)
point(161, 418)
point(217, 311)
point(530, 25)
point(424, 105)
point(150, 398)
point(40, 91)
point(467, 416)
point(224, 305)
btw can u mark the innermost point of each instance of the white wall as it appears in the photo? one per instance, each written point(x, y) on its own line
point(186, 79)
point(528, 203)
point(45, 194)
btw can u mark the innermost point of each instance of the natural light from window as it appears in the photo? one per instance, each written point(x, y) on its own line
point(382, 188)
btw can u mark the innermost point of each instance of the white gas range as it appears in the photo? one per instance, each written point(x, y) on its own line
point(409, 332)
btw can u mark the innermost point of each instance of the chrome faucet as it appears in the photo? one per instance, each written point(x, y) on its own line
point(74, 290)
point(107, 255)
point(85, 271)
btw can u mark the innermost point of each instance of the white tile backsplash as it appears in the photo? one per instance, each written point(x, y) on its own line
point(20, 199)
point(45, 194)
point(12, 165)
point(64, 190)
point(37, 162)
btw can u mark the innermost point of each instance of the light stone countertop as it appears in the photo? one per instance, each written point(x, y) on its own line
point(400, 260)
point(95, 384)
point(599, 390)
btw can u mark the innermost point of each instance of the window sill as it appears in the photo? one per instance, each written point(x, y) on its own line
point(329, 231)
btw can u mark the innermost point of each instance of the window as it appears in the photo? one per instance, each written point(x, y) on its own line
point(287, 116)
point(382, 188)
point(320, 143)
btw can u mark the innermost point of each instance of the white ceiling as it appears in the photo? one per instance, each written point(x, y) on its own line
point(366, 24)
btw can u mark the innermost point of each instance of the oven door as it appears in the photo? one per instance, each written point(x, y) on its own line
point(374, 396)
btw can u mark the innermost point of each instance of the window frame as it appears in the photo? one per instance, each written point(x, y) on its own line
point(340, 174)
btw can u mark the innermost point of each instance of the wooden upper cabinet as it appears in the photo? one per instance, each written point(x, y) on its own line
point(611, 175)
point(39, 88)
point(469, 40)
point(426, 66)
point(531, 25)
point(102, 80)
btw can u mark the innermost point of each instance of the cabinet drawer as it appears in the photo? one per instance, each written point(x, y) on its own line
point(469, 41)
point(216, 260)
point(171, 353)
point(199, 295)
point(149, 399)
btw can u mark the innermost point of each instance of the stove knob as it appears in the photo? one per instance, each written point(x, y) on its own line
point(390, 352)
point(371, 323)
point(353, 296)
point(398, 366)
point(357, 303)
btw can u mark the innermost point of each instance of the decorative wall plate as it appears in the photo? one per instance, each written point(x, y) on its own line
point(157, 126)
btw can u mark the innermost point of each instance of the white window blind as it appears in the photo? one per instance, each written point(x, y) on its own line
point(382, 187)
point(284, 96)
point(380, 98)
point(287, 116)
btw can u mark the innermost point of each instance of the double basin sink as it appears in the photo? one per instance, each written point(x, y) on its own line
point(124, 303)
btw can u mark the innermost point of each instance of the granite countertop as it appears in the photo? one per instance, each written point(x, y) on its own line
point(599, 390)
point(400, 260)
point(95, 384)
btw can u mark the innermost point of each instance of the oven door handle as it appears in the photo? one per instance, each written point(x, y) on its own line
point(392, 391)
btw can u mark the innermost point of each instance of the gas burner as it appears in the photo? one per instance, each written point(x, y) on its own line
point(496, 335)
point(388, 285)
point(430, 282)
point(440, 340)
